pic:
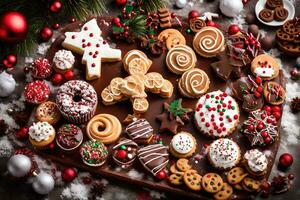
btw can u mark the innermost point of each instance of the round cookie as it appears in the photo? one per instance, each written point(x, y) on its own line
point(136, 62)
point(172, 37)
point(183, 164)
point(274, 93)
point(272, 4)
point(217, 114)
point(212, 182)
point(183, 145)
point(193, 83)
point(180, 59)
point(192, 180)
point(251, 185)
point(196, 24)
point(224, 193)
point(265, 66)
point(176, 179)
point(208, 42)
point(280, 13)
point(255, 162)
point(266, 15)
point(224, 154)
point(174, 170)
point(48, 112)
point(236, 175)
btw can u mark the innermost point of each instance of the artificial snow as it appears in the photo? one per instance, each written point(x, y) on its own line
point(6, 147)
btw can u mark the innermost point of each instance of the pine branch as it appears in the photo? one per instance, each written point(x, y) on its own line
point(137, 25)
point(152, 5)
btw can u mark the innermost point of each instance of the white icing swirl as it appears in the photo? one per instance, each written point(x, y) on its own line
point(63, 59)
point(256, 160)
point(41, 131)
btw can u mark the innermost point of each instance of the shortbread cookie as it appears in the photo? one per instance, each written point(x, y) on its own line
point(193, 83)
point(274, 93)
point(48, 112)
point(172, 37)
point(140, 105)
point(266, 15)
point(89, 43)
point(265, 66)
point(192, 180)
point(140, 131)
point(224, 193)
point(208, 42)
point(212, 182)
point(180, 59)
point(153, 82)
point(183, 145)
point(255, 162)
point(136, 62)
point(224, 153)
point(167, 89)
point(183, 164)
point(217, 114)
point(236, 175)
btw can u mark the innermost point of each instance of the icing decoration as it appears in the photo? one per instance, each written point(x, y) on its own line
point(41, 68)
point(41, 131)
point(217, 114)
point(93, 153)
point(89, 43)
point(48, 112)
point(140, 130)
point(256, 160)
point(7, 84)
point(125, 152)
point(154, 157)
point(63, 59)
point(261, 128)
point(69, 136)
point(36, 92)
point(180, 59)
point(265, 66)
point(264, 70)
point(182, 143)
point(274, 93)
point(224, 153)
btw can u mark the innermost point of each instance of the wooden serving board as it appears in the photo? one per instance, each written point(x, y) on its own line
point(121, 110)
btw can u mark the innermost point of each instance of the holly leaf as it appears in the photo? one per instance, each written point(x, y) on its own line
point(118, 29)
point(129, 8)
point(151, 31)
point(176, 108)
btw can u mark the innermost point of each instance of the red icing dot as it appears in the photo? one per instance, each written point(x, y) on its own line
point(197, 109)
point(93, 65)
point(202, 119)
point(263, 116)
point(219, 106)
point(201, 114)
point(217, 97)
point(94, 56)
point(269, 120)
point(221, 113)
point(73, 36)
point(91, 53)
point(229, 119)
point(235, 116)
point(211, 131)
point(97, 45)
point(89, 44)
point(83, 45)
point(207, 96)
point(219, 130)
point(207, 124)
point(250, 127)
point(229, 106)
point(91, 35)
point(104, 42)
point(199, 105)
point(223, 129)
point(221, 118)
point(222, 124)
point(264, 134)
point(212, 116)
point(83, 40)
point(224, 94)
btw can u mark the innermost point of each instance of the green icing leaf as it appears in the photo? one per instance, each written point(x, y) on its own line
point(176, 108)
point(118, 29)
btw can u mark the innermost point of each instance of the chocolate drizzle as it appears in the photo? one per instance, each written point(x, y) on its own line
point(140, 131)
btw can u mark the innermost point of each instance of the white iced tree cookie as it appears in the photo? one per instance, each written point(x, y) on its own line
point(89, 43)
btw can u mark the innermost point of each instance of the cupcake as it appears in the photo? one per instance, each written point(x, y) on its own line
point(256, 163)
point(124, 152)
point(69, 137)
point(224, 154)
point(48, 112)
point(63, 61)
point(36, 92)
point(93, 153)
point(41, 135)
point(182, 145)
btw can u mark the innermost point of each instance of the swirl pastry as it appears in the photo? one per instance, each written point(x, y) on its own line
point(266, 15)
point(208, 42)
point(172, 37)
point(280, 13)
point(193, 83)
point(105, 128)
point(196, 24)
point(136, 62)
point(180, 59)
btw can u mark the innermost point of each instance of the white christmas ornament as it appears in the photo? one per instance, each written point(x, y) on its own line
point(43, 183)
point(231, 8)
point(7, 84)
point(180, 3)
point(19, 165)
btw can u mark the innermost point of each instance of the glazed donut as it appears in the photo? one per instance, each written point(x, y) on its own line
point(105, 128)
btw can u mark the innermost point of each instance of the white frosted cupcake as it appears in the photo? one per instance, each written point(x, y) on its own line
point(255, 162)
point(41, 135)
point(63, 61)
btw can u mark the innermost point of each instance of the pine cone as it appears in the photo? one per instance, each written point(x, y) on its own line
point(281, 184)
point(98, 189)
point(295, 105)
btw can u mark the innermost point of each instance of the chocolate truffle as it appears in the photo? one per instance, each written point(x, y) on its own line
point(250, 18)
point(253, 29)
point(266, 43)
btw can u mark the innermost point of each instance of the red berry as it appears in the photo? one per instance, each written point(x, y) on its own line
point(291, 176)
point(69, 75)
point(277, 115)
point(256, 94)
point(121, 154)
point(276, 109)
point(57, 79)
point(56, 26)
point(126, 28)
point(116, 20)
point(193, 14)
point(233, 29)
point(267, 108)
point(267, 140)
point(258, 80)
point(260, 126)
point(121, 2)
point(263, 116)
point(250, 127)
point(161, 175)
point(22, 133)
point(259, 89)
point(264, 134)
point(173, 15)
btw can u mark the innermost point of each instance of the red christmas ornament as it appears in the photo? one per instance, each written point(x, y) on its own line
point(291, 176)
point(68, 174)
point(116, 20)
point(121, 2)
point(193, 14)
point(57, 79)
point(285, 160)
point(233, 29)
point(22, 133)
point(211, 23)
point(13, 27)
point(46, 33)
point(121, 154)
point(258, 80)
point(41, 68)
point(56, 26)
point(55, 6)
point(10, 61)
point(161, 175)
point(69, 75)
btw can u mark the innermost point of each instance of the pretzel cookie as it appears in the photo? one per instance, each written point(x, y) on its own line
point(265, 66)
point(212, 182)
point(48, 112)
point(105, 128)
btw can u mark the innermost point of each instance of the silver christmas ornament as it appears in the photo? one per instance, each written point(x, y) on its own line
point(180, 3)
point(19, 165)
point(43, 183)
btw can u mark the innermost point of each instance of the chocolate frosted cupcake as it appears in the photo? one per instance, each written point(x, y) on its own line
point(140, 131)
point(93, 153)
point(124, 152)
point(256, 163)
point(69, 137)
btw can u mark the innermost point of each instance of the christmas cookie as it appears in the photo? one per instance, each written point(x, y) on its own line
point(193, 83)
point(182, 145)
point(266, 15)
point(183, 165)
point(172, 37)
point(280, 13)
point(192, 180)
point(136, 62)
point(274, 93)
point(41, 135)
point(174, 170)
point(196, 24)
point(217, 114)
point(265, 67)
point(48, 112)
point(225, 192)
point(176, 179)
point(154, 158)
point(272, 4)
point(77, 101)
point(112, 93)
point(69, 137)
point(124, 152)
point(140, 131)
point(212, 182)
point(36, 92)
point(224, 153)
point(261, 128)
point(63, 61)
point(93, 153)
point(255, 162)
point(180, 59)
point(208, 42)
point(167, 89)
point(236, 175)
point(89, 43)
point(105, 128)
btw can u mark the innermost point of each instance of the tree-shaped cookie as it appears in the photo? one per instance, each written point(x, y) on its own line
point(135, 86)
point(89, 43)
